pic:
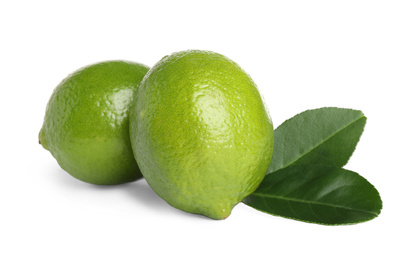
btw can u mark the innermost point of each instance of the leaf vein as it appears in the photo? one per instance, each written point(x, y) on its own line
point(320, 143)
point(311, 202)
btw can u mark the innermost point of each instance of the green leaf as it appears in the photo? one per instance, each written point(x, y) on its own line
point(326, 136)
point(317, 194)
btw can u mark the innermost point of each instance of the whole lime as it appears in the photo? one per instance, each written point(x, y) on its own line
point(86, 126)
point(201, 133)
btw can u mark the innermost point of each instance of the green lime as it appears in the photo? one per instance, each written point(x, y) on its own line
point(201, 133)
point(86, 126)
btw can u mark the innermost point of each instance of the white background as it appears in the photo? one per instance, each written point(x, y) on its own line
point(302, 55)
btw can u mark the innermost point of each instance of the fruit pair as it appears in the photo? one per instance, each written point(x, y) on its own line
point(196, 125)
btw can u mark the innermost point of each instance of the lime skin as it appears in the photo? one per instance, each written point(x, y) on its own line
point(86, 125)
point(201, 133)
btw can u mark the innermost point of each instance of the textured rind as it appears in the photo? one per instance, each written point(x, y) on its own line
point(86, 123)
point(201, 133)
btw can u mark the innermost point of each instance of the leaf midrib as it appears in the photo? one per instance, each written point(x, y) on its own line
point(317, 145)
point(311, 202)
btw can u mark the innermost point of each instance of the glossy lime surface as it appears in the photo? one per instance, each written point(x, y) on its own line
point(200, 132)
point(86, 126)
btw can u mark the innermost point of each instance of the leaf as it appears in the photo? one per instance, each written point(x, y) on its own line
point(326, 136)
point(318, 194)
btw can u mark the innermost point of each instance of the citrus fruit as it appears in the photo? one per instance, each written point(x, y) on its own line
point(86, 126)
point(200, 132)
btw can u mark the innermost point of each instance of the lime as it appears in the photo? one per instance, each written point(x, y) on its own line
point(86, 126)
point(201, 133)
